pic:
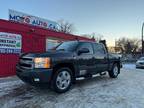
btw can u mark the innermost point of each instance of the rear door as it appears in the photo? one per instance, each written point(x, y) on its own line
point(85, 61)
point(101, 57)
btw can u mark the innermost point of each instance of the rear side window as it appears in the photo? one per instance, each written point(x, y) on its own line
point(86, 45)
point(99, 48)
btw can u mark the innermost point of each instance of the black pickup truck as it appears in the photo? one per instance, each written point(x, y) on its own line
point(60, 67)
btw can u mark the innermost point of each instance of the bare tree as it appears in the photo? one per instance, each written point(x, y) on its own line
point(97, 37)
point(128, 46)
point(65, 27)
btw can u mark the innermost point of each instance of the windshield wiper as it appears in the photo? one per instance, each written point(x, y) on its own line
point(61, 50)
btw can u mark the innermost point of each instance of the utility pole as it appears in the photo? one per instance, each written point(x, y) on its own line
point(142, 39)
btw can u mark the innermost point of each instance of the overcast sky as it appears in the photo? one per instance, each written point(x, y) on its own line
point(111, 18)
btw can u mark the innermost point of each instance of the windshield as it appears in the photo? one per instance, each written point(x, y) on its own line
point(67, 46)
point(142, 58)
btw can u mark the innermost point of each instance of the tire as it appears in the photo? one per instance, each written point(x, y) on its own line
point(114, 71)
point(62, 80)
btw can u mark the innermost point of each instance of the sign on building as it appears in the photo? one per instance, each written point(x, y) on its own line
point(10, 43)
point(32, 20)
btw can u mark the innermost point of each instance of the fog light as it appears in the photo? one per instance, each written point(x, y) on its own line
point(36, 79)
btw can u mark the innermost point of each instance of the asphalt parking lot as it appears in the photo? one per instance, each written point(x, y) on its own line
point(126, 91)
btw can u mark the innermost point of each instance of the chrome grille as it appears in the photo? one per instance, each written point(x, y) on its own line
point(26, 62)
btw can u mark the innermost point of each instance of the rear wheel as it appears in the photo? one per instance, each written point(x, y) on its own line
point(62, 80)
point(114, 71)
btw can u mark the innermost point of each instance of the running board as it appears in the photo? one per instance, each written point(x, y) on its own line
point(93, 76)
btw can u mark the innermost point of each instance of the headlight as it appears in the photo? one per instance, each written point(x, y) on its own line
point(42, 62)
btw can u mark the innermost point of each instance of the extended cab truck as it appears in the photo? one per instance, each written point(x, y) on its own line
point(70, 60)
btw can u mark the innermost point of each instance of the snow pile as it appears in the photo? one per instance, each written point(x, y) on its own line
point(126, 91)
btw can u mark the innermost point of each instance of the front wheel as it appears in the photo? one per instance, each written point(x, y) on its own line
point(114, 71)
point(62, 80)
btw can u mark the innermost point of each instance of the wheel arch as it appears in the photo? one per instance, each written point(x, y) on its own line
point(112, 64)
point(66, 65)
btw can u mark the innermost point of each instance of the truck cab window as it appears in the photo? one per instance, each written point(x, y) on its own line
point(86, 45)
point(99, 49)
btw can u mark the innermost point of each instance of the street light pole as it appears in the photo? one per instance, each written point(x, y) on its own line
point(142, 39)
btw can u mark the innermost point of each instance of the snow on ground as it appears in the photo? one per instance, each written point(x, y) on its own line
point(129, 66)
point(126, 91)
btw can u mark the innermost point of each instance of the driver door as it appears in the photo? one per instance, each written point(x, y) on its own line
point(85, 61)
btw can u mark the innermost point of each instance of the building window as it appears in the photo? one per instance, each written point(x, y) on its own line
point(51, 43)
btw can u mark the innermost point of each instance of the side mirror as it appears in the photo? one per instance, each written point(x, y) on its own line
point(83, 50)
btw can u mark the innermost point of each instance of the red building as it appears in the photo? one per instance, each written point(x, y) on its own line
point(33, 39)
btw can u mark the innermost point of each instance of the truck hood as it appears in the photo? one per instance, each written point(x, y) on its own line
point(49, 54)
point(114, 56)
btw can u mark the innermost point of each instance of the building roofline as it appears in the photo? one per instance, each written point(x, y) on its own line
point(40, 28)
